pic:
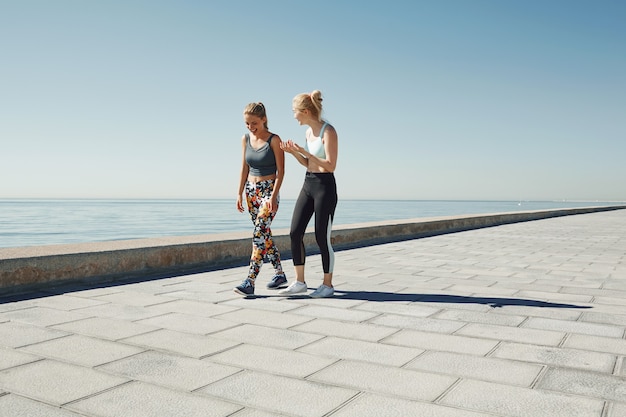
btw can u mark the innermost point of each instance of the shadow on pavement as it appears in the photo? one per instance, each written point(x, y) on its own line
point(445, 298)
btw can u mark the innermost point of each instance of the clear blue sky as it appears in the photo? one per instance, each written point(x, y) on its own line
point(431, 99)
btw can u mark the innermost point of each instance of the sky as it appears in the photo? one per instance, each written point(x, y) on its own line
point(431, 100)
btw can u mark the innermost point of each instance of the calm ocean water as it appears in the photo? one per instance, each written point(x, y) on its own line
point(44, 222)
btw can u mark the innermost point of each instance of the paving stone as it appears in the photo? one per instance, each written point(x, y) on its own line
point(158, 286)
point(138, 399)
point(415, 284)
point(265, 336)
point(413, 309)
point(441, 300)
point(16, 303)
point(186, 344)
point(335, 313)
point(554, 356)
point(342, 299)
point(479, 317)
point(201, 291)
point(574, 327)
point(513, 401)
point(371, 405)
point(336, 347)
point(356, 331)
point(10, 358)
point(452, 275)
point(16, 335)
point(280, 394)
point(481, 290)
point(610, 301)
point(369, 377)
point(617, 410)
point(603, 318)
point(88, 292)
point(593, 287)
point(104, 328)
point(251, 412)
point(475, 367)
point(65, 302)
point(195, 308)
point(590, 384)
point(272, 360)
point(118, 311)
point(418, 323)
point(168, 370)
point(132, 298)
point(607, 309)
point(616, 281)
point(513, 334)
point(527, 281)
point(16, 406)
point(209, 296)
point(187, 323)
point(42, 316)
point(281, 320)
point(534, 311)
point(596, 343)
point(442, 342)
point(55, 382)
point(554, 297)
point(82, 350)
point(259, 303)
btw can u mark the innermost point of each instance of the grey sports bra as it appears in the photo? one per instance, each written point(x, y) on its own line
point(262, 161)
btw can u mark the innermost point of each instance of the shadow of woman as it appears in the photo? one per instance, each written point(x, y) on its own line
point(448, 298)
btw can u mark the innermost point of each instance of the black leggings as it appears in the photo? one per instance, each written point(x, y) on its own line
point(319, 196)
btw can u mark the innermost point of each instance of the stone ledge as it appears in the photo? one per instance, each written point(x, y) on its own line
point(32, 267)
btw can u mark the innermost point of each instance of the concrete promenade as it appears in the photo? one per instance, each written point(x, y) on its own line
point(524, 319)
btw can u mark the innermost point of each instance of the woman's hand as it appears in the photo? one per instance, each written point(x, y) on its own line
point(297, 151)
point(240, 204)
point(272, 204)
point(290, 147)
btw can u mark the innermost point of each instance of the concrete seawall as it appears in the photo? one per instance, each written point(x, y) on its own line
point(31, 267)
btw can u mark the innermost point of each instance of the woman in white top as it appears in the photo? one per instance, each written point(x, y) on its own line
point(319, 191)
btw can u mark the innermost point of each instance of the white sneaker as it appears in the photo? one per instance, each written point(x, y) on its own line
point(323, 291)
point(296, 287)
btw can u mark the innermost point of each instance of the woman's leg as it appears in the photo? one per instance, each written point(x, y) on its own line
point(325, 203)
point(302, 213)
point(257, 196)
point(264, 220)
point(254, 206)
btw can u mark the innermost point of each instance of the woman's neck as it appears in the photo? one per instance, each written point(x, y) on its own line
point(264, 135)
point(316, 125)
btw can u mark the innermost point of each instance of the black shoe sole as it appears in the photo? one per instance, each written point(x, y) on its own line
point(237, 291)
point(280, 287)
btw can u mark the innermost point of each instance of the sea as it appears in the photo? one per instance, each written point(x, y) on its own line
point(36, 222)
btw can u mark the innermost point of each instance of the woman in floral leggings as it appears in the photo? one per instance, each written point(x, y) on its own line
point(262, 172)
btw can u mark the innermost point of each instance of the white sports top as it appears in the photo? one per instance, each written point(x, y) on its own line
point(316, 146)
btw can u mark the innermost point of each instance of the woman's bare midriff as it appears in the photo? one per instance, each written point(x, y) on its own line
point(316, 169)
point(254, 179)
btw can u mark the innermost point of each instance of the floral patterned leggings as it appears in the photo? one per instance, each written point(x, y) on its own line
point(257, 196)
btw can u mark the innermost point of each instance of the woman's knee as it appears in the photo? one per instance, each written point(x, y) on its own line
point(296, 235)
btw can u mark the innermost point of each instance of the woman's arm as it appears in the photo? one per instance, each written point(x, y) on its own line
point(243, 176)
point(296, 150)
point(279, 156)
